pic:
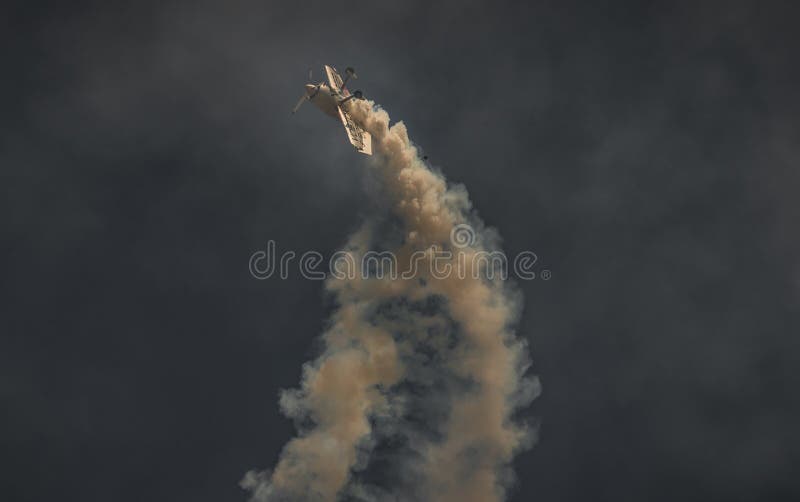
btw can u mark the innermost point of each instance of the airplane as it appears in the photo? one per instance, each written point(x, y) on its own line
point(332, 98)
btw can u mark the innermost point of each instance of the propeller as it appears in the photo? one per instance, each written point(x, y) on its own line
point(311, 91)
point(303, 99)
point(305, 96)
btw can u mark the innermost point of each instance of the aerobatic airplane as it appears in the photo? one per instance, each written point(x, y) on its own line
point(332, 98)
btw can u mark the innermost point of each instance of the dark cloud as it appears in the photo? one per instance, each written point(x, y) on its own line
point(645, 152)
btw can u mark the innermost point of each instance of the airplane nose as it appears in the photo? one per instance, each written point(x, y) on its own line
point(310, 89)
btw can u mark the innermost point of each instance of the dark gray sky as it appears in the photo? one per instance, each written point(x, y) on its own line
point(647, 153)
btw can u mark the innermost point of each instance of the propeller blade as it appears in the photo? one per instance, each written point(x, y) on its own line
point(310, 73)
point(303, 99)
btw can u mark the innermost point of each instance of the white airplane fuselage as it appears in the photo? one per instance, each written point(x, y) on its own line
point(333, 98)
point(323, 99)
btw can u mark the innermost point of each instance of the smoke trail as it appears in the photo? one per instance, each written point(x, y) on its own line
point(414, 394)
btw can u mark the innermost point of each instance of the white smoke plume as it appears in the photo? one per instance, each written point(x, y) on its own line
point(414, 395)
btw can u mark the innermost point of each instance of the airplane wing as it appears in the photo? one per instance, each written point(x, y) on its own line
point(335, 81)
point(358, 137)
